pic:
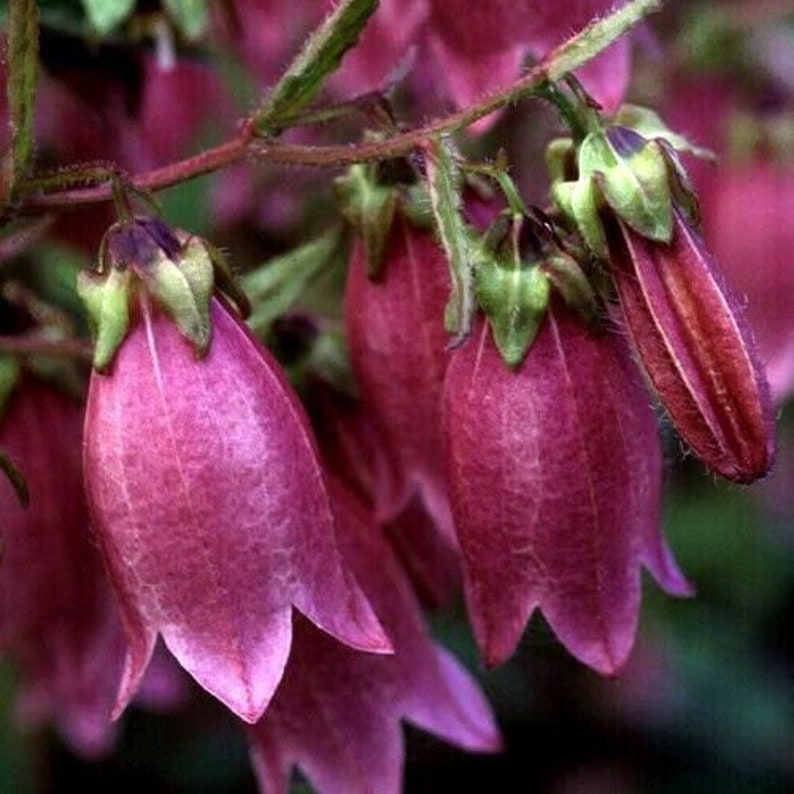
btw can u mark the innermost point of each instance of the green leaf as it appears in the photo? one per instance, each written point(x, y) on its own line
point(15, 478)
point(279, 283)
point(191, 17)
point(105, 15)
point(23, 49)
point(320, 57)
point(444, 186)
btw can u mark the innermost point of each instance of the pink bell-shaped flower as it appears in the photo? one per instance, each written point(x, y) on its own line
point(397, 340)
point(211, 510)
point(480, 47)
point(758, 196)
point(555, 477)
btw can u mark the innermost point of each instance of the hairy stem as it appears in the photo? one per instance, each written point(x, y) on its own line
point(247, 144)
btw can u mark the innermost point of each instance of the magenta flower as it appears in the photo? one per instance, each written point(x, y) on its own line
point(337, 713)
point(211, 511)
point(395, 330)
point(58, 623)
point(384, 47)
point(555, 474)
point(146, 119)
point(692, 341)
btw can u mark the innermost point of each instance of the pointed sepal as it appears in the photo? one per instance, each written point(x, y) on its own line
point(183, 288)
point(631, 168)
point(633, 178)
point(514, 294)
point(369, 207)
point(106, 300)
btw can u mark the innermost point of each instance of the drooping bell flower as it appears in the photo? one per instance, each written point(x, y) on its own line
point(337, 713)
point(555, 478)
point(693, 343)
point(397, 340)
point(58, 623)
point(203, 481)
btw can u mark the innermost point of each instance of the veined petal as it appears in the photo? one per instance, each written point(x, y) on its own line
point(395, 330)
point(555, 474)
point(211, 511)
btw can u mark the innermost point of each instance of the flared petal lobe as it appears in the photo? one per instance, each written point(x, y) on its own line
point(691, 340)
point(555, 477)
point(211, 511)
point(337, 713)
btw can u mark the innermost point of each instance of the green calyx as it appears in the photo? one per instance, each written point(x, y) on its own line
point(518, 262)
point(176, 269)
point(513, 292)
point(183, 288)
point(515, 301)
point(369, 207)
point(630, 168)
point(106, 300)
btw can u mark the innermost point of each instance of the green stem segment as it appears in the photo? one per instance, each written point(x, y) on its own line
point(22, 54)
